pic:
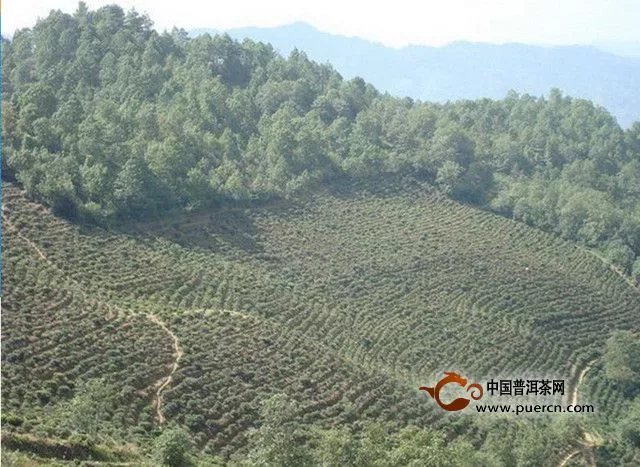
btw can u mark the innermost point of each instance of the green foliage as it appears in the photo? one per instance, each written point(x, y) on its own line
point(19, 449)
point(88, 410)
point(277, 442)
point(338, 447)
point(526, 443)
point(630, 424)
point(620, 254)
point(377, 445)
point(448, 176)
point(172, 448)
point(635, 272)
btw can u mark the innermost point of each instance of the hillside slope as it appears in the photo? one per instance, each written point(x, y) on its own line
point(346, 301)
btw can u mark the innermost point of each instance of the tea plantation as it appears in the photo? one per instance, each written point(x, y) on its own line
point(346, 301)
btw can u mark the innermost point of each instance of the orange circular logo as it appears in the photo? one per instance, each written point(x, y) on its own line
point(459, 403)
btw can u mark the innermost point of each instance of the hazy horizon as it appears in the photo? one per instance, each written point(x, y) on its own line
point(610, 25)
point(622, 48)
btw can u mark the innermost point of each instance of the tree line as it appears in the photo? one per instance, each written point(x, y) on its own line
point(106, 119)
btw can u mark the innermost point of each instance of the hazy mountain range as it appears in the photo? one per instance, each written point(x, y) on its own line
point(466, 70)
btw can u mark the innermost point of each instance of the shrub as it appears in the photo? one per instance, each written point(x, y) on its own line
point(172, 447)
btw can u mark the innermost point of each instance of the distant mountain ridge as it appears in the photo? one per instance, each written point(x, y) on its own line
point(467, 70)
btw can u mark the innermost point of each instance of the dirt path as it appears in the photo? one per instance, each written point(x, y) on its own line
point(163, 382)
point(583, 373)
point(588, 441)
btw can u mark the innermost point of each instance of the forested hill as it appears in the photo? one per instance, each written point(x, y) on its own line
point(105, 119)
point(468, 70)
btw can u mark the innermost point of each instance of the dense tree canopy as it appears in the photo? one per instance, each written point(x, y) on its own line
point(106, 119)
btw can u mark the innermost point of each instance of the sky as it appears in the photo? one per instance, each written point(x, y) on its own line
point(396, 24)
